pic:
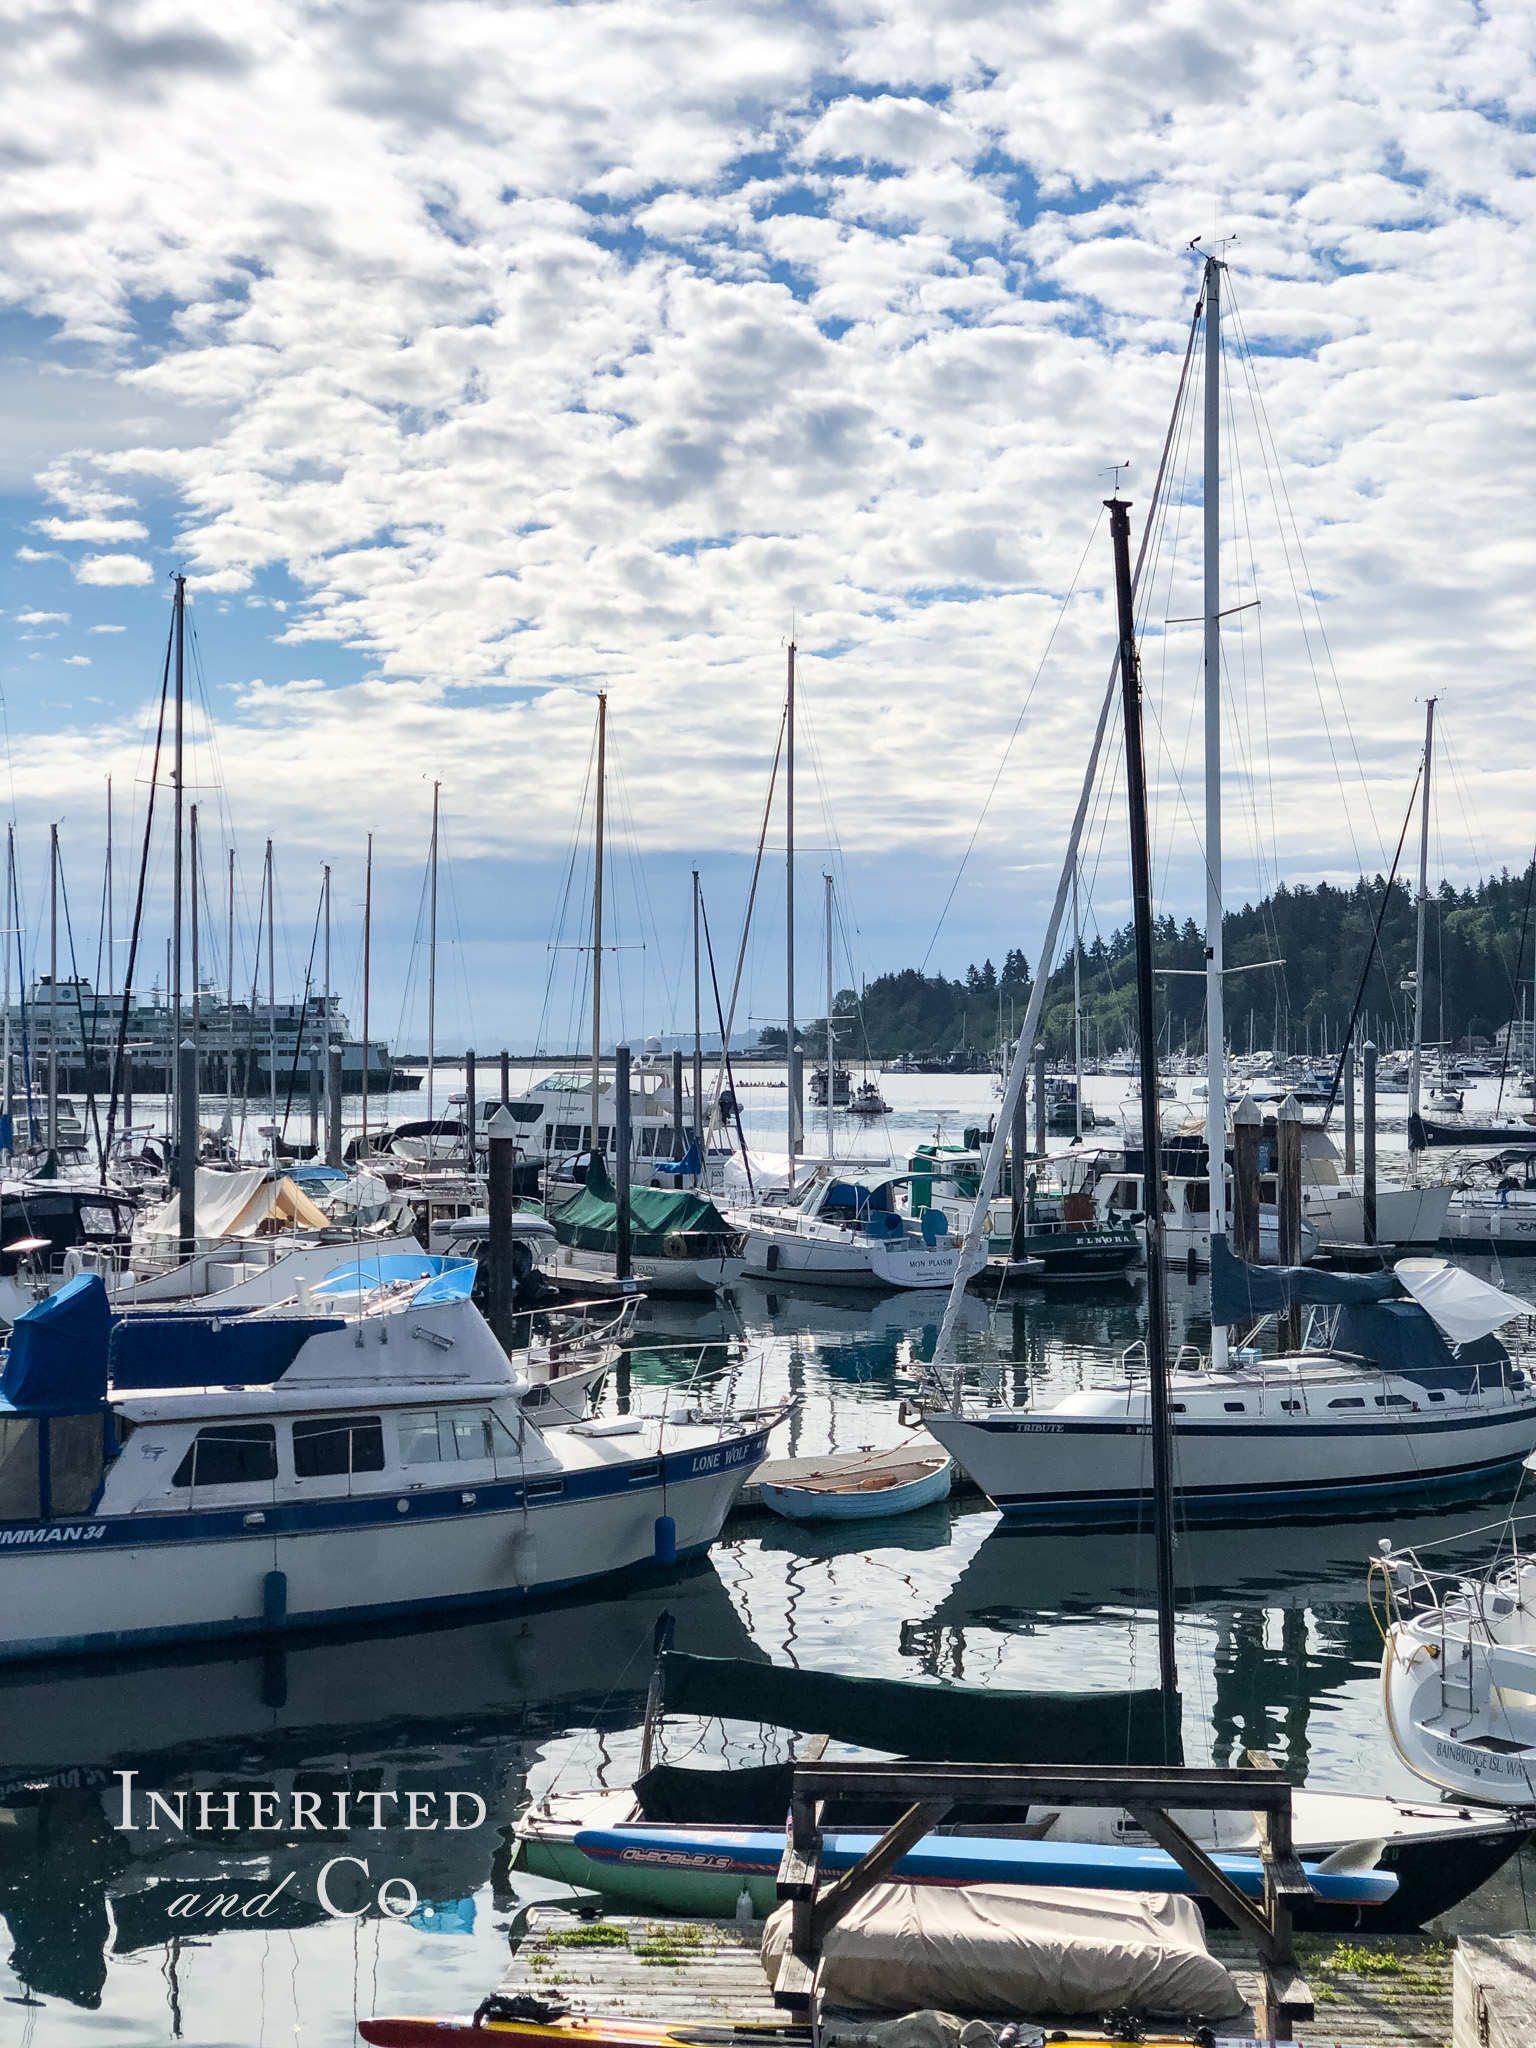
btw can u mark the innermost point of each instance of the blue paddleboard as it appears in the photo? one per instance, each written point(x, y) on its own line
point(962, 1859)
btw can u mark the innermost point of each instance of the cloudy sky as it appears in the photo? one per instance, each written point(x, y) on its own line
point(470, 358)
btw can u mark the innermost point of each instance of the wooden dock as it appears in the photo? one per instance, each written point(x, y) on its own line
point(1372, 1991)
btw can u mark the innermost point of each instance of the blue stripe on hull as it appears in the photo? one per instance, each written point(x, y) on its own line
point(1256, 1502)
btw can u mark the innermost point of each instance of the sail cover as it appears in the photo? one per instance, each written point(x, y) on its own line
point(948, 1723)
point(590, 1220)
point(57, 1362)
point(1241, 1293)
point(1465, 1307)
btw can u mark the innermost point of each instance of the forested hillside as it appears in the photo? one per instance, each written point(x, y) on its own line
point(1322, 936)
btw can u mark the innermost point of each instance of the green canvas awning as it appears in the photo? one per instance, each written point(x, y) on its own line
point(590, 1220)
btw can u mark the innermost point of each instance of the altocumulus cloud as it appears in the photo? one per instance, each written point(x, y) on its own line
point(560, 342)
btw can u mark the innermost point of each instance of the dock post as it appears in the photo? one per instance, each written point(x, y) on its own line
point(1246, 1125)
point(333, 1105)
point(469, 1113)
point(1288, 1187)
point(1349, 1110)
point(620, 1159)
point(314, 1105)
point(1368, 1149)
point(186, 1149)
point(500, 1278)
point(679, 1147)
point(1040, 1100)
point(506, 1076)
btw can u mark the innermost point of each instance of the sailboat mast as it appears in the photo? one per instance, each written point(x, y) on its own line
point(367, 980)
point(698, 1028)
point(831, 1041)
point(229, 994)
point(111, 947)
point(1077, 996)
point(271, 1001)
point(10, 892)
point(1215, 1015)
point(180, 605)
point(1151, 1114)
point(53, 989)
point(432, 963)
point(795, 1106)
point(597, 914)
point(1416, 1067)
point(326, 1039)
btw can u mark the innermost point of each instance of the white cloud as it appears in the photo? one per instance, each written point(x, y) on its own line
point(93, 529)
point(106, 629)
point(110, 569)
point(42, 618)
point(38, 555)
point(541, 344)
point(77, 661)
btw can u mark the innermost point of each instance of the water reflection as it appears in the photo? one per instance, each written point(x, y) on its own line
point(432, 1711)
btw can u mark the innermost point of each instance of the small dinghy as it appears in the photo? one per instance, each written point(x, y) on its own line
point(862, 1492)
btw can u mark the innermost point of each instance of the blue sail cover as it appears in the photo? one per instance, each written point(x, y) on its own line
point(1241, 1293)
point(57, 1361)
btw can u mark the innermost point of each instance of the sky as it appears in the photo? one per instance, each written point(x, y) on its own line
point(472, 358)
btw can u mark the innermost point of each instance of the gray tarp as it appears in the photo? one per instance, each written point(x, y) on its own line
point(996, 1948)
point(1241, 1293)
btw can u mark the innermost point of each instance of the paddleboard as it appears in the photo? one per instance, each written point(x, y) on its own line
point(961, 1859)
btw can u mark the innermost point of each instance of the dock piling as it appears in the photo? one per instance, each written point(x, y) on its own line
point(186, 1149)
point(621, 1268)
point(502, 1281)
point(333, 1105)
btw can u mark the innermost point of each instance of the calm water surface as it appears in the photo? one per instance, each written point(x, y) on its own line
point(1277, 1649)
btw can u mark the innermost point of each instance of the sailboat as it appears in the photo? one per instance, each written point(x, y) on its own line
point(1349, 1419)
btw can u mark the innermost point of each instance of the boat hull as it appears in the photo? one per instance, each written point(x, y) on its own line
point(800, 1504)
point(1035, 1466)
point(843, 1259)
point(112, 1583)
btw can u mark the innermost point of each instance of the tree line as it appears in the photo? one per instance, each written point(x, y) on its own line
point(1479, 950)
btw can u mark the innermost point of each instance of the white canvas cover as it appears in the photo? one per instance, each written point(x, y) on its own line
point(236, 1205)
point(998, 1948)
point(1465, 1307)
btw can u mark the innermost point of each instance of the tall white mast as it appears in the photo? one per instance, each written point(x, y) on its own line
point(831, 1041)
point(271, 1001)
point(796, 1110)
point(1077, 997)
point(432, 963)
point(1215, 1017)
point(53, 990)
point(597, 915)
point(10, 894)
point(1416, 1065)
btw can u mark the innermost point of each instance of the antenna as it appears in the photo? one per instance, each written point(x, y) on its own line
point(1114, 470)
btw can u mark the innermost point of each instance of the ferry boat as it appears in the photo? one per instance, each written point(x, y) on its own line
point(364, 1452)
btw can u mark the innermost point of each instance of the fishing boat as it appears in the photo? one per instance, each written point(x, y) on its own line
point(1493, 1207)
point(363, 1454)
point(853, 1495)
point(1061, 1237)
point(842, 1088)
point(867, 1100)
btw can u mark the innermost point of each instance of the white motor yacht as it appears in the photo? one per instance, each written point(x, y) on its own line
point(366, 1455)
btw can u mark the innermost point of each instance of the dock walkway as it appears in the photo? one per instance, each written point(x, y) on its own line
point(1372, 1991)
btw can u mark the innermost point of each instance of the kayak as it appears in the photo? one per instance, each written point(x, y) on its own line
point(957, 1860)
point(402, 2031)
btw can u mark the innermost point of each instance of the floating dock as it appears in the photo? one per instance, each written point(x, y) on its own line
point(1372, 1991)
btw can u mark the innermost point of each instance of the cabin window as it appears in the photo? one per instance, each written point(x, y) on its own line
point(1437, 1397)
point(441, 1438)
point(567, 1137)
point(96, 1220)
point(337, 1446)
point(1290, 1407)
point(1197, 1198)
point(19, 1500)
point(1393, 1401)
point(545, 1489)
point(231, 1454)
point(1176, 1407)
point(1351, 1401)
point(639, 1474)
point(648, 1138)
point(1235, 1407)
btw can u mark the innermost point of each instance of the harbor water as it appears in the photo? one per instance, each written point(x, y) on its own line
point(263, 1934)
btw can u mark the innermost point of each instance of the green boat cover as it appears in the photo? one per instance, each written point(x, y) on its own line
point(939, 1723)
point(590, 1220)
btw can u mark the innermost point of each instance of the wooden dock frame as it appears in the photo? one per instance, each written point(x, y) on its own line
point(933, 1790)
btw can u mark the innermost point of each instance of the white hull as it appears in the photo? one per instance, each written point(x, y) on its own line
point(1474, 1220)
point(118, 1582)
point(836, 1258)
point(1404, 1216)
point(574, 1270)
point(1459, 1694)
point(1047, 1465)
